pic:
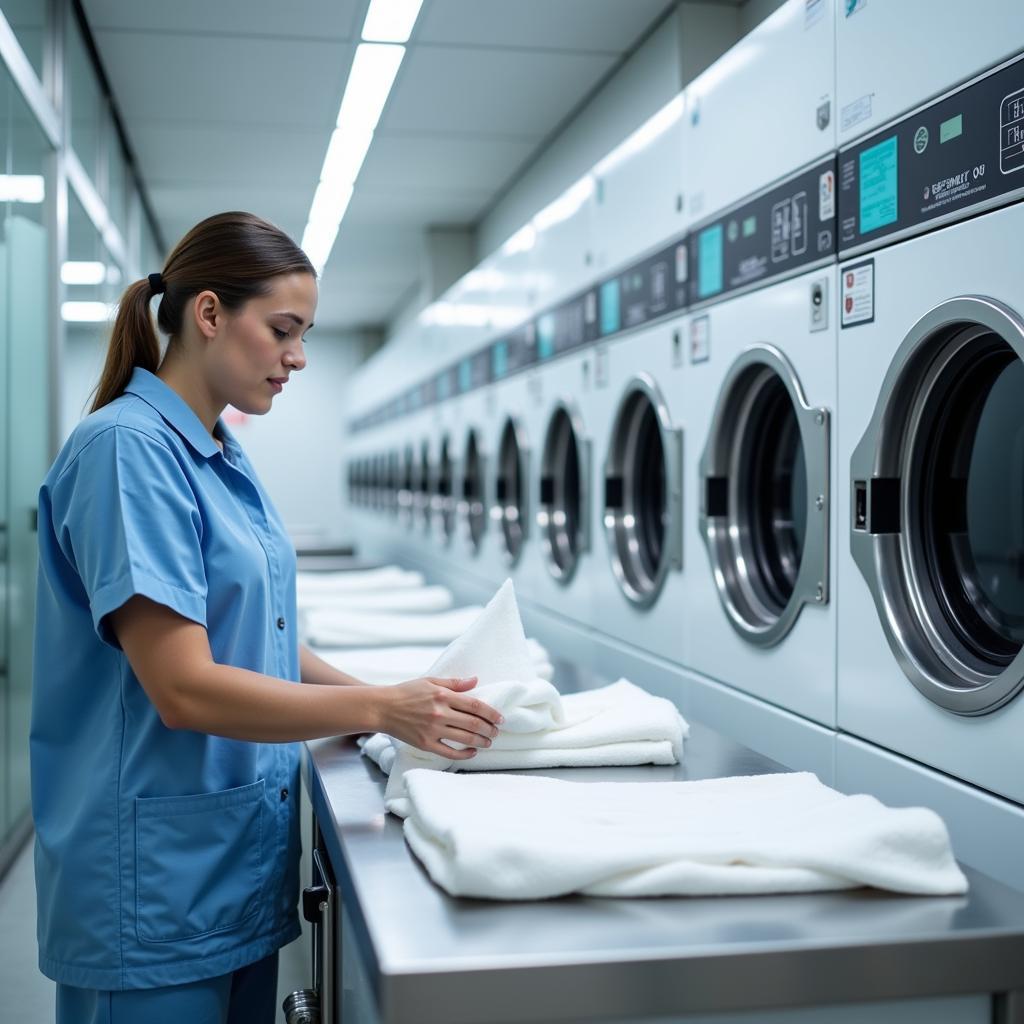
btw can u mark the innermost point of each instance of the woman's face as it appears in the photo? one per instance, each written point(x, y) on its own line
point(257, 348)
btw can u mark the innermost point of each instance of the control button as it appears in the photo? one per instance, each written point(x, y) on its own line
point(280, 623)
point(284, 794)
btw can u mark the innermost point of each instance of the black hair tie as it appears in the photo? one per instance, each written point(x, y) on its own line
point(156, 284)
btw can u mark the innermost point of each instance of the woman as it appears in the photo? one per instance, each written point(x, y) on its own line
point(164, 773)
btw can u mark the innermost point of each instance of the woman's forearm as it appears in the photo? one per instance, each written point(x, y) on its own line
point(313, 669)
point(244, 705)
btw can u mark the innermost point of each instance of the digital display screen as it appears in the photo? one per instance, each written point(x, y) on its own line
point(749, 227)
point(951, 128)
point(611, 313)
point(442, 387)
point(878, 186)
point(499, 359)
point(709, 261)
point(465, 375)
point(546, 336)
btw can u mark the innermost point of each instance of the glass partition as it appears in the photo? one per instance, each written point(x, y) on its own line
point(29, 20)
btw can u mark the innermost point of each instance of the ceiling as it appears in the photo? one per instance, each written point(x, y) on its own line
point(230, 105)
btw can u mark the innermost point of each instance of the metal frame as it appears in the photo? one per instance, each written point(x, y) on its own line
point(889, 561)
point(620, 525)
point(727, 538)
point(545, 514)
point(500, 510)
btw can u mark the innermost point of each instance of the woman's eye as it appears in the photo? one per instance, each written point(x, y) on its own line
point(279, 334)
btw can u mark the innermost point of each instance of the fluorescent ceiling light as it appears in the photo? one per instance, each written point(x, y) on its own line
point(345, 156)
point(22, 188)
point(87, 312)
point(565, 205)
point(464, 314)
point(83, 272)
point(390, 21)
point(522, 241)
point(369, 82)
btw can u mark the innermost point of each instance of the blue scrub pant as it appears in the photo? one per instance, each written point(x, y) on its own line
point(245, 996)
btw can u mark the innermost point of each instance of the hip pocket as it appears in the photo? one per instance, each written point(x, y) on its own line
point(198, 862)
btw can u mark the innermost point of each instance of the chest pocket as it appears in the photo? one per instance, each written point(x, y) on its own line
point(198, 863)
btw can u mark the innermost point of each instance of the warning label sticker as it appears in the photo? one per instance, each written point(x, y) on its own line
point(857, 293)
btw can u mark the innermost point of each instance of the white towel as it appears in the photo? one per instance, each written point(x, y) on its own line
point(616, 725)
point(387, 577)
point(402, 599)
point(350, 628)
point(382, 665)
point(521, 837)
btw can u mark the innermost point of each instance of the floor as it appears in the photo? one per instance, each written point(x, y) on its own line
point(25, 995)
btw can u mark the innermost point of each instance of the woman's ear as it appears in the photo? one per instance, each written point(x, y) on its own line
point(208, 314)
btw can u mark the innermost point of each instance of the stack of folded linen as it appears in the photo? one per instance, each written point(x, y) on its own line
point(387, 577)
point(615, 725)
point(401, 599)
point(522, 837)
point(347, 627)
point(381, 665)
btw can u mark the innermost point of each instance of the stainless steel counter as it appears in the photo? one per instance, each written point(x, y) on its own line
point(429, 957)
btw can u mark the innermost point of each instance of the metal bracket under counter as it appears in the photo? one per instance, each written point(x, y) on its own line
point(427, 957)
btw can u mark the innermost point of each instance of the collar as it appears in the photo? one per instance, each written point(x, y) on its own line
point(176, 412)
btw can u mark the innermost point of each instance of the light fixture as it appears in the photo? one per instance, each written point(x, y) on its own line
point(369, 82)
point(22, 188)
point(87, 312)
point(83, 272)
point(390, 21)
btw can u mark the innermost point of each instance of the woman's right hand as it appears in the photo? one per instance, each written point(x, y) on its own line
point(422, 712)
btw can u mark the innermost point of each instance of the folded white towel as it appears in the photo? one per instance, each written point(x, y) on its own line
point(401, 599)
point(351, 628)
point(614, 725)
point(387, 577)
point(521, 837)
point(381, 665)
point(619, 724)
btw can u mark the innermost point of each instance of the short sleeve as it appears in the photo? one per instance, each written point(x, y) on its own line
point(128, 521)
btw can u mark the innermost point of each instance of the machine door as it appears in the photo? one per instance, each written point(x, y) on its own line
point(937, 485)
point(474, 504)
point(764, 481)
point(407, 487)
point(444, 497)
point(424, 486)
point(564, 512)
point(511, 508)
point(643, 493)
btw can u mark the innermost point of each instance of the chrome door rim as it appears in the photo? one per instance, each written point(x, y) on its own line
point(620, 526)
point(514, 522)
point(891, 562)
point(727, 537)
point(554, 533)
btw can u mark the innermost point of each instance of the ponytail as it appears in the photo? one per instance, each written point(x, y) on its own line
point(132, 343)
point(234, 255)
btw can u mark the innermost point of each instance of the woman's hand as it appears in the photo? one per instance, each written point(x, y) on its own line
point(422, 712)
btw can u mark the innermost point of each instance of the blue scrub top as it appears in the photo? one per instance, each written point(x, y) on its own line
point(162, 856)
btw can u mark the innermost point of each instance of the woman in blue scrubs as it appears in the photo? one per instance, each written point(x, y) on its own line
point(164, 766)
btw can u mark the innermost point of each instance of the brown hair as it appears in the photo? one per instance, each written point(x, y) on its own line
point(232, 254)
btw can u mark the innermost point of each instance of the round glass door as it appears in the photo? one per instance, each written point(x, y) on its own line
point(642, 493)
point(445, 498)
point(765, 497)
point(474, 506)
point(510, 487)
point(562, 515)
point(938, 518)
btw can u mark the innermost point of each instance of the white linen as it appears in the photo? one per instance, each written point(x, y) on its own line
point(384, 665)
point(618, 724)
point(387, 577)
point(401, 599)
point(352, 628)
point(509, 837)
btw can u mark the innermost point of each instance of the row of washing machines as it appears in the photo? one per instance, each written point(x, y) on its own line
point(807, 487)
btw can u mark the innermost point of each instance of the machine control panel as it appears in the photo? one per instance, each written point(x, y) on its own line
point(961, 154)
point(781, 230)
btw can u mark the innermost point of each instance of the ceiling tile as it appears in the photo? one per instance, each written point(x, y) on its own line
point(261, 82)
point(495, 92)
point(611, 26)
point(312, 19)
